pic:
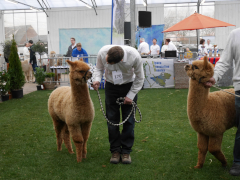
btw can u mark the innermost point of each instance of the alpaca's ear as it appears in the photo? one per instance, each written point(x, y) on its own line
point(205, 64)
point(70, 62)
point(81, 59)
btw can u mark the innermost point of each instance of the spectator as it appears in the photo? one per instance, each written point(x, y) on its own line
point(71, 47)
point(80, 52)
point(26, 53)
point(154, 49)
point(33, 59)
point(143, 47)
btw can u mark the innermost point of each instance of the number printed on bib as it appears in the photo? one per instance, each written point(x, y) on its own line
point(117, 77)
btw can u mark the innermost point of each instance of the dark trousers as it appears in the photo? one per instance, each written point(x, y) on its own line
point(236, 151)
point(34, 67)
point(120, 142)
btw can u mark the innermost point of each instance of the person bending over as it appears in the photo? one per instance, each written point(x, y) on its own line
point(120, 64)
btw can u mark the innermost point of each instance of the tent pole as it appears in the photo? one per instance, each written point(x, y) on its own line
point(133, 22)
point(197, 31)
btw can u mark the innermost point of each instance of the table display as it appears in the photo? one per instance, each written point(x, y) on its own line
point(159, 73)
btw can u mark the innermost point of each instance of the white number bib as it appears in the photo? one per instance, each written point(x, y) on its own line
point(117, 77)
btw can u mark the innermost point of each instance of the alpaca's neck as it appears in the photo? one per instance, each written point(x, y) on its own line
point(80, 94)
point(197, 95)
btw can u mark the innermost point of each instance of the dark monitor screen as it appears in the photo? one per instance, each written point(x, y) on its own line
point(170, 53)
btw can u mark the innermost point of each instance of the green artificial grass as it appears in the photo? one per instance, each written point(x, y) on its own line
point(165, 144)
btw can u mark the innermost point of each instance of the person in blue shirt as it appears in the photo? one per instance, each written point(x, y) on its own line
point(80, 52)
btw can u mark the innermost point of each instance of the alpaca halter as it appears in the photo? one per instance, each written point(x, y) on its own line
point(195, 78)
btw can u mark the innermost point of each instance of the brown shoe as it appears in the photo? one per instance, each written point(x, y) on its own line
point(126, 159)
point(115, 159)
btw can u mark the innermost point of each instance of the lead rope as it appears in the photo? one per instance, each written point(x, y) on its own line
point(120, 102)
point(225, 91)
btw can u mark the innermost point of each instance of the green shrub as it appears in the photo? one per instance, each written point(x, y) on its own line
point(17, 78)
point(4, 82)
point(40, 75)
point(49, 75)
point(7, 48)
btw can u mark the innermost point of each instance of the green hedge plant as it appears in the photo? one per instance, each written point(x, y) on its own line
point(4, 82)
point(17, 78)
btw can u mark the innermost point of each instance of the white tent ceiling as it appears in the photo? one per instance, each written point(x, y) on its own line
point(5, 5)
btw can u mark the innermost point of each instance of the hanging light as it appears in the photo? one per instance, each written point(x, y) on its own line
point(144, 3)
point(35, 9)
point(12, 1)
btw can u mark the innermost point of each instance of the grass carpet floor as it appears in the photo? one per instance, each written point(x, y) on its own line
point(165, 144)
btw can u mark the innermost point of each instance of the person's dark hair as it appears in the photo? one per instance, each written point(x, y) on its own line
point(155, 39)
point(30, 41)
point(73, 38)
point(115, 54)
point(168, 40)
point(202, 41)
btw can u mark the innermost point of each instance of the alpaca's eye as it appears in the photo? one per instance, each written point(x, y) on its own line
point(196, 67)
point(81, 71)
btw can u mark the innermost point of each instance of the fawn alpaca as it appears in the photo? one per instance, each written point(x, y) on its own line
point(72, 110)
point(210, 114)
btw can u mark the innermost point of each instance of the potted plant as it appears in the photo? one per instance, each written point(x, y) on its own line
point(4, 85)
point(40, 49)
point(49, 83)
point(40, 77)
point(17, 78)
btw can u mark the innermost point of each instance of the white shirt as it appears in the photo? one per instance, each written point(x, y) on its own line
point(210, 46)
point(26, 53)
point(205, 49)
point(143, 48)
point(131, 64)
point(171, 46)
point(230, 53)
point(154, 49)
point(164, 48)
point(73, 46)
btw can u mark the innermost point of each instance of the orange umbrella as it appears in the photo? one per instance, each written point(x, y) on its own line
point(197, 21)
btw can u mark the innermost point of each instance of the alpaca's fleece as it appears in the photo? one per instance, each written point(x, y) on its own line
point(210, 114)
point(72, 110)
point(28, 70)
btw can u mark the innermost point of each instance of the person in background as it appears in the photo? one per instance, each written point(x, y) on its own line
point(208, 45)
point(189, 53)
point(171, 46)
point(123, 62)
point(33, 59)
point(80, 52)
point(143, 47)
point(71, 47)
point(202, 43)
point(164, 48)
point(26, 53)
point(230, 53)
point(154, 49)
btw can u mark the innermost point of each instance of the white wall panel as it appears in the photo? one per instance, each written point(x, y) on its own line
point(82, 17)
point(228, 12)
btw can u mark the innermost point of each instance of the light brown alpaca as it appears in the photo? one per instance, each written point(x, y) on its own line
point(72, 110)
point(28, 70)
point(210, 114)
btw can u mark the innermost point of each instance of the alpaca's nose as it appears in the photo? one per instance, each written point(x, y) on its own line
point(186, 67)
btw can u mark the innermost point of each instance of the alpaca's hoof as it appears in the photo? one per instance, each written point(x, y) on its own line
point(59, 149)
point(79, 160)
point(84, 156)
point(71, 152)
point(197, 167)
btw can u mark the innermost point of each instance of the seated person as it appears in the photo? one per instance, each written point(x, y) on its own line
point(80, 52)
point(189, 53)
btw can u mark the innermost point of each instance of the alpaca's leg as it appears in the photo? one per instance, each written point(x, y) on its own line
point(76, 133)
point(86, 128)
point(58, 125)
point(66, 138)
point(214, 147)
point(202, 146)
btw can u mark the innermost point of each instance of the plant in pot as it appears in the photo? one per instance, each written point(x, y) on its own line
point(4, 85)
point(40, 49)
point(40, 77)
point(49, 83)
point(17, 78)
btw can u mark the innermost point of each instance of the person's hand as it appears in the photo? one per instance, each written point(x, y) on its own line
point(210, 82)
point(95, 85)
point(127, 101)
